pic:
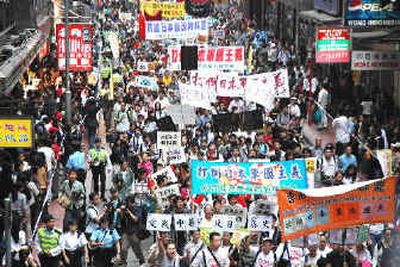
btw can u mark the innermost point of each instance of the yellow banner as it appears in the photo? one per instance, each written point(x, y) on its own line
point(15, 132)
point(168, 10)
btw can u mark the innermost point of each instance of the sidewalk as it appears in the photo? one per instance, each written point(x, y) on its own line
point(311, 132)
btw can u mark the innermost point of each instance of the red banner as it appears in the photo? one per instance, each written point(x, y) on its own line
point(80, 47)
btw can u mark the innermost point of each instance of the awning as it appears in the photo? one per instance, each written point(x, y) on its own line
point(319, 16)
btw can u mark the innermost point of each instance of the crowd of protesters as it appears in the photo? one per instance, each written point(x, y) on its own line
point(101, 225)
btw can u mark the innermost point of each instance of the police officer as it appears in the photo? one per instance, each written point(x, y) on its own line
point(48, 244)
point(98, 158)
point(105, 244)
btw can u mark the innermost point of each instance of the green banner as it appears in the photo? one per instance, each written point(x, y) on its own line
point(333, 45)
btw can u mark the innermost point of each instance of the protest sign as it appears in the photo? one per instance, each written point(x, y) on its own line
point(186, 222)
point(167, 140)
point(166, 172)
point(163, 193)
point(158, 222)
point(261, 223)
point(309, 211)
point(336, 236)
point(223, 223)
point(247, 177)
point(176, 29)
point(16, 132)
point(147, 82)
point(231, 84)
point(311, 168)
point(194, 96)
point(237, 211)
point(182, 114)
point(237, 237)
point(386, 160)
point(264, 207)
point(264, 96)
point(174, 155)
point(230, 58)
point(143, 66)
point(167, 9)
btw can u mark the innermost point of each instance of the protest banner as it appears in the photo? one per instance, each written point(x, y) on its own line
point(176, 29)
point(363, 233)
point(167, 140)
point(174, 155)
point(264, 207)
point(182, 114)
point(229, 58)
point(247, 177)
point(147, 82)
point(223, 223)
point(80, 47)
point(302, 212)
point(159, 222)
point(143, 66)
point(168, 10)
point(385, 158)
point(166, 172)
point(16, 132)
point(231, 84)
point(186, 222)
point(238, 212)
point(264, 97)
point(261, 223)
point(163, 193)
point(194, 96)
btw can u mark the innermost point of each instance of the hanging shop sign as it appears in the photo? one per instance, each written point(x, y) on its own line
point(16, 132)
point(333, 45)
point(375, 60)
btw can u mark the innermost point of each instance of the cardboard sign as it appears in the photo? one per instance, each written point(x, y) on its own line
point(223, 223)
point(309, 211)
point(162, 194)
point(167, 140)
point(158, 222)
point(174, 155)
point(147, 82)
point(16, 132)
point(261, 223)
point(176, 29)
point(247, 177)
point(186, 222)
point(166, 172)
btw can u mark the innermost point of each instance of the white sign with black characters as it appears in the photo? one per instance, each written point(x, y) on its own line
point(260, 223)
point(166, 172)
point(162, 194)
point(158, 222)
point(175, 155)
point(167, 140)
point(223, 223)
point(186, 222)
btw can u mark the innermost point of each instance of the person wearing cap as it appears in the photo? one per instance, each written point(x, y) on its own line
point(105, 244)
point(98, 158)
point(266, 257)
point(47, 244)
point(74, 245)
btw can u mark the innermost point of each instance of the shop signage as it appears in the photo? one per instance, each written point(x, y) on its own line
point(331, 7)
point(375, 60)
point(16, 132)
point(333, 45)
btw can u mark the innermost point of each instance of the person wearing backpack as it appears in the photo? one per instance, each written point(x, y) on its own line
point(327, 166)
point(265, 257)
point(213, 255)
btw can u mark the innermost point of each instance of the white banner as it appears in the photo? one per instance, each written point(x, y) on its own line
point(176, 29)
point(194, 96)
point(163, 193)
point(147, 82)
point(260, 223)
point(375, 60)
point(233, 85)
point(175, 155)
point(182, 114)
point(114, 44)
point(158, 222)
point(223, 223)
point(186, 222)
point(166, 140)
point(166, 172)
point(143, 66)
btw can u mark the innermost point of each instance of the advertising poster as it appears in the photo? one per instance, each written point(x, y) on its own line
point(16, 132)
point(333, 45)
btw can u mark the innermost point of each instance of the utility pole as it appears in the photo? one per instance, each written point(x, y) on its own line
point(7, 229)
point(68, 89)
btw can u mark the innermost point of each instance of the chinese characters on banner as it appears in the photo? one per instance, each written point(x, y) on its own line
point(167, 140)
point(223, 223)
point(174, 155)
point(261, 223)
point(166, 172)
point(15, 132)
point(231, 84)
point(247, 177)
point(176, 29)
point(310, 211)
point(167, 9)
point(158, 222)
point(375, 60)
point(80, 47)
point(211, 58)
point(333, 45)
point(186, 222)
point(194, 96)
point(163, 193)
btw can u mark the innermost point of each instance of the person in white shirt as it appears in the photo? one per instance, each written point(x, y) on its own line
point(49, 155)
point(74, 245)
point(312, 257)
point(266, 256)
point(323, 248)
point(193, 247)
point(207, 219)
point(212, 256)
point(341, 126)
point(323, 100)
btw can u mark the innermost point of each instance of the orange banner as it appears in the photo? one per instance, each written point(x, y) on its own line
point(309, 211)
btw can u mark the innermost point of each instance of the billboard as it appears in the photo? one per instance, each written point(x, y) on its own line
point(372, 13)
point(333, 45)
point(375, 60)
point(16, 132)
point(80, 47)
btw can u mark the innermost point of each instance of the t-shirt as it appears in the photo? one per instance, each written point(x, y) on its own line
point(367, 107)
point(265, 260)
point(206, 259)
